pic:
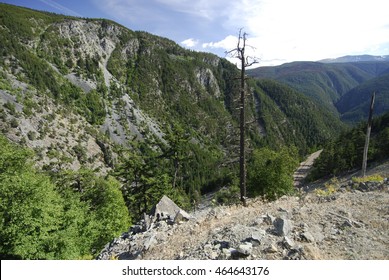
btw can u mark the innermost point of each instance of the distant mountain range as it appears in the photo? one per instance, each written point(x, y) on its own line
point(342, 85)
point(355, 58)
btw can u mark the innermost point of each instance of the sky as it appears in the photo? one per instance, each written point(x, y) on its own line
point(278, 31)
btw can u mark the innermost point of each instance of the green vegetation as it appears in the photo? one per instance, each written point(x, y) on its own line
point(178, 170)
point(324, 83)
point(270, 173)
point(289, 118)
point(70, 216)
point(345, 152)
point(370, 178)
point(354, 105)
point(339, 87)
point(329, 188)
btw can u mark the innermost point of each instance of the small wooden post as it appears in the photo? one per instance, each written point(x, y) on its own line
point(365, 150)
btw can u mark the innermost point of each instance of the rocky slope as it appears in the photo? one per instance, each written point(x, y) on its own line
point(128, 85)
point(346, 220)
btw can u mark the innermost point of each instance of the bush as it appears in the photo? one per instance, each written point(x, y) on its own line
point(229, 195)
point(270, 173)
point(30, 209)
point(70, 219)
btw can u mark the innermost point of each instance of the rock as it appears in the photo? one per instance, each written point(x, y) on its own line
point(146, 222)
point(181, 216)
point(282, 226)
point(213, 255)
point(271, 249)
point(227, 253)
point(134, 229)
point(269, 219)
point(288, 243)
point(317, 233)
point(151, 241)
point(257, 236)
point(307, 236)
point(166, 209)
point(363, 186)
point(245, 249)
point(295, 253)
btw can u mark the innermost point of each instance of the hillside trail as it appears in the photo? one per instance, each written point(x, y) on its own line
point(302, 171)
point(298, 180)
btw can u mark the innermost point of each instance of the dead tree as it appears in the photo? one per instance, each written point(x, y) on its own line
point(366, 148)
point(245, 61)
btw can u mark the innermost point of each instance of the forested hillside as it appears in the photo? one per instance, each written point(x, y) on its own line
point(327, 83)
point(303, 123)
point(345, 153)
point(354, 105)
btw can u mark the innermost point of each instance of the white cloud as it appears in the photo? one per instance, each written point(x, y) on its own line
point(227, 44)
point(308, 30)
point(280, 30)
point(190, 43)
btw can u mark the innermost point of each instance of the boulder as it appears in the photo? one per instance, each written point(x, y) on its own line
point(282, 226)
point(269, 219)
point(167, 209)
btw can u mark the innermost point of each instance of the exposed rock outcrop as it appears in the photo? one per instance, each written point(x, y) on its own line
point(352, 224)
point(152, 230)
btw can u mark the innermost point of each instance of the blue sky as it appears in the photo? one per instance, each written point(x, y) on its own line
point(279, 31)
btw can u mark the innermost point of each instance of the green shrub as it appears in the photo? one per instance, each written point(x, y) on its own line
point(270, 173)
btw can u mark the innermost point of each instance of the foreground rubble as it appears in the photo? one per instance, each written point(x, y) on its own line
point(350, 222)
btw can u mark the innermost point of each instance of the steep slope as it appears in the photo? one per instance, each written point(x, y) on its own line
point(292, 118)
point(125, 84)
point(345, 152)
point(325, 83)
point(354, 105)
point(91, 95)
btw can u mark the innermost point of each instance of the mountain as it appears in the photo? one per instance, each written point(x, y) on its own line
point(355, 104)
point(325, 83)
point(111, 85)
point(290, 117)
point(356, 58)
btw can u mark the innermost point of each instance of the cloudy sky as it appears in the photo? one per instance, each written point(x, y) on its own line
point(279, 31)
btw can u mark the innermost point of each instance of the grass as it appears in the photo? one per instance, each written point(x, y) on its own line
point(329, 188)
point(370, 178)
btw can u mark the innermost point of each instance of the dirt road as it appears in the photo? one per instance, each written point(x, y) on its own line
point(304, 168)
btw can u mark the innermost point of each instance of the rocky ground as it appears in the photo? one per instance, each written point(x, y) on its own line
point(344, 220)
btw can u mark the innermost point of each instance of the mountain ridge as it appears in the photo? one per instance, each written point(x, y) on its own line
point(356, 58)
point(327, 83)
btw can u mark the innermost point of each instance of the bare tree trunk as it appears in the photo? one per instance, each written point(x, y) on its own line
point(239, 53)
point(242, 120)
point(365, 150)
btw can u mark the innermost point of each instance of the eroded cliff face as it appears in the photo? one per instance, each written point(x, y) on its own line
point(132, 75)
